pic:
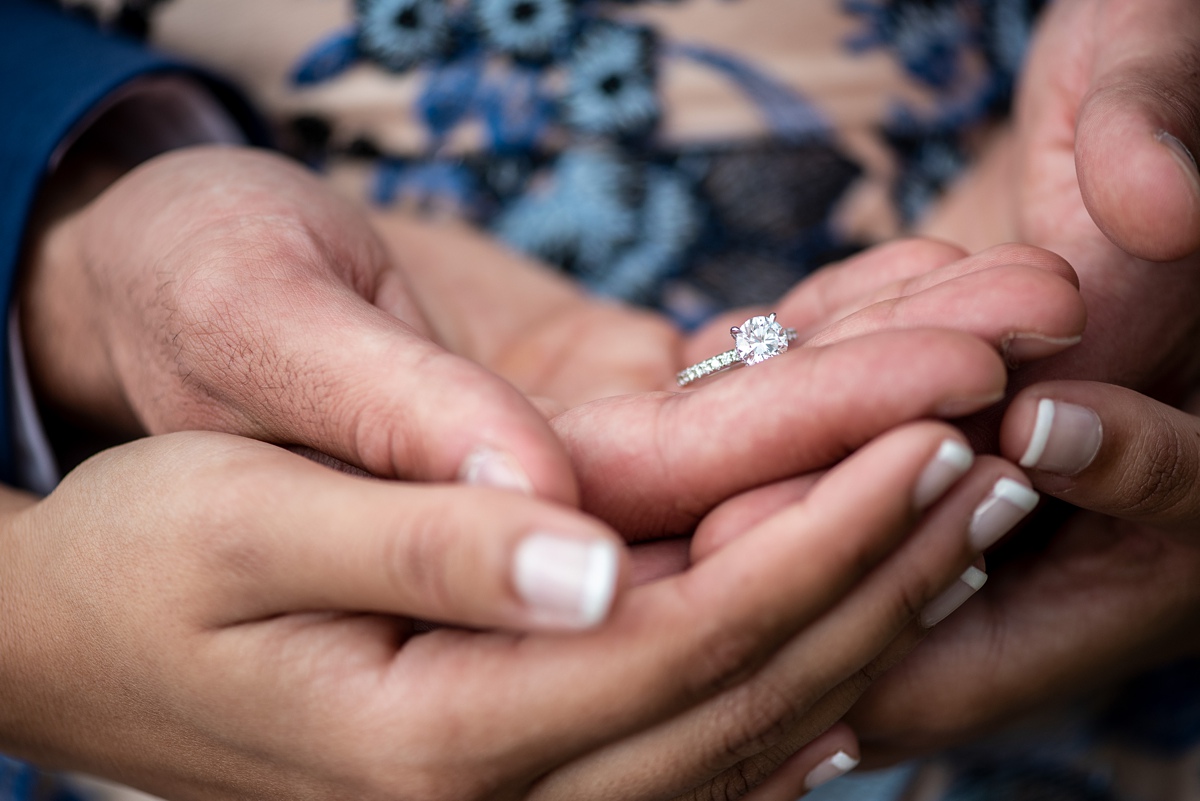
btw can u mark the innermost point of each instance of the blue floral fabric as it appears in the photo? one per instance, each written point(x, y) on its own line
point(686, 229)
point(570, 170)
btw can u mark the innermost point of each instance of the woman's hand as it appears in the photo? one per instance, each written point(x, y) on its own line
point(200, 615)
point(1113, 591)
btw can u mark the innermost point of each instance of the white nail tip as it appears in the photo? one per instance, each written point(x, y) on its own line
point(566, 581)
point(1016, 493)
point(599, 583)
point(1005, 506)
point(940, 608)
point(1041, 433)
point(837, 765)
point(955, 454)
point(974, 578)
point(952, 460)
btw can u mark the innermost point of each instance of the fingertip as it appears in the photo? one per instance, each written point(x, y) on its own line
point(1050, 434)
point(567, 582)
point(1138, 177)
point(832, 754)
point(487, 467)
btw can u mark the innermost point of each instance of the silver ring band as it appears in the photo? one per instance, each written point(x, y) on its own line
point(749, 350)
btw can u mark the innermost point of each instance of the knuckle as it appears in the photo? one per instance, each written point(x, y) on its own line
point(762, 714)
point(724, 658)
point(910, 598)
point(415, 559)
point(732, 784)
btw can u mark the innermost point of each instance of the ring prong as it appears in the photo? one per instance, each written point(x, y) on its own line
point(771, 316)
point(734, 331)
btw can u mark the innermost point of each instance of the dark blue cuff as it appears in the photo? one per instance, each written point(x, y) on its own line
point(55, 68)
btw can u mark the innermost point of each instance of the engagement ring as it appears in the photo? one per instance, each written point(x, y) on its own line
point(756, 340)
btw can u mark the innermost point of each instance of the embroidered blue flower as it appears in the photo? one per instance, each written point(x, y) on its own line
point(1008, 26)
point(927, 165)
point(927, 36)
point(586, 214)
point(611, 82)
point(527, 29)
point(620, 226)
point(669, 220)
point(398, 34)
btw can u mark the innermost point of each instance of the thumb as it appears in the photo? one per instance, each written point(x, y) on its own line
point(371, 391)
point(1108, 449)
point(459, 555)
point(1139, 127)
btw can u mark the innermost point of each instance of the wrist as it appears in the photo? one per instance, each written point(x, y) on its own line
point(59, 308)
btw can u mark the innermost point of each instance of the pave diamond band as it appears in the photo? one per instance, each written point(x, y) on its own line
point(756, 340)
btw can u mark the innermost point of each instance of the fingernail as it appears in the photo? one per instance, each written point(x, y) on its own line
point(1004, 507)
point(961, 407)
point(485, 467)
point(944, 605)
point(1182, 155)
point(566, 581)
point(829, 769)
point(1021, 348)
point(1065, 439)
point(952, 460)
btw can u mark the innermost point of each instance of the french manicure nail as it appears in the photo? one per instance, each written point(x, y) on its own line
point(486, 467)
point(829, 769)
point(1182, 155)
point(1065, 438)
point(1021, 348)
point(948, 465)
point(566, 581)
point(1004, 507)
point(941, 607)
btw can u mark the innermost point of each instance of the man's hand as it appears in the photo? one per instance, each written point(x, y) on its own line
point(1095, 169)
point(1092, 171)
point(228, 289)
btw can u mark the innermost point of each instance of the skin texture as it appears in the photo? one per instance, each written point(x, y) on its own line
point(1085, 173)
point(1082, 172)
point(199, 346)
point(203, 721)
point(205, 616)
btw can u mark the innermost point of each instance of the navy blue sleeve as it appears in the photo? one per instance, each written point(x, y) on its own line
point(55, 68)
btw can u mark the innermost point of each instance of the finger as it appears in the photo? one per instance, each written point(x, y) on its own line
point(1025, 312)
point(743, 512)
point(285, 322)
point(799, 412)
point(1139, 127)
point(881, 274)
point(818, 298)
point(1096, 603)
point(757, 717)
point(1108, 449)
point(650, 561)
point(380, 396)
point(458, 555)
point(831, 755)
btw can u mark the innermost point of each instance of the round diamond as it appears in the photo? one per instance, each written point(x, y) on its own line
point(759, 338)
